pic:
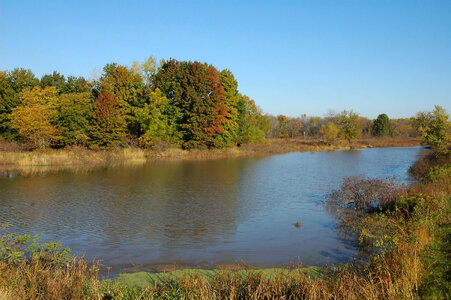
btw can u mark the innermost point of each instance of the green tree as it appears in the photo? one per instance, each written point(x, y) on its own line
point(381, 126)
point(348, 122)
point(155, 123)
point(8, 101)
point(34, 119)
point(253, 126)
point(74, 113)
point(77, 85)
point(230, 134)
point(21, 79)
point(55, 79)
point(434, 127)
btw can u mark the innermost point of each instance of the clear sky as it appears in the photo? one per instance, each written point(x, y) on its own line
point(292, 57)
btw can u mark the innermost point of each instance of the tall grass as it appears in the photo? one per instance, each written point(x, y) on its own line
point(15, 158)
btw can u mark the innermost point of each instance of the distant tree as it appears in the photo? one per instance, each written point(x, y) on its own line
point(381, 126)
point(74, 113)
point(108, 128)
point(434, 127)
point(294, 127)
point(283, 124)
point(329, 132)
point(311, 125)
point(34, 119)
point(348, 122)
point(365, 125)
point(403, 127)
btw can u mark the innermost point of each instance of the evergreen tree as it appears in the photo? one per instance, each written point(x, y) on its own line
point(381, 126)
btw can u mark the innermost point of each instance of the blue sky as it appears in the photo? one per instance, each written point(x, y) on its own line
point(292, 57)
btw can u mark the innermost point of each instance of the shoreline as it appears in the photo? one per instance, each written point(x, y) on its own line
point(16, 162)
point(146, 279)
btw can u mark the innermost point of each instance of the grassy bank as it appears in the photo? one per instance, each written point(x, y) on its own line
point(13, 159)
point(405, 233)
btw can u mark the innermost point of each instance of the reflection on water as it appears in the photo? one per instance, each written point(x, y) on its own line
point(202, 212)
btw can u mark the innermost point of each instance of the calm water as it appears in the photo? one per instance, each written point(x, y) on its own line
point(199, 213)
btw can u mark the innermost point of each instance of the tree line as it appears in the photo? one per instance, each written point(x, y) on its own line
point(182, 103)
point(190, 104)
point(342, 125)
point(433, 127)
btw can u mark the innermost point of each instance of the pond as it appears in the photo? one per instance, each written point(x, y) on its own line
point(198, 213)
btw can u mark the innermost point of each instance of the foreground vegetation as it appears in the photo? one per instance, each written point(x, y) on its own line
point(403, 232)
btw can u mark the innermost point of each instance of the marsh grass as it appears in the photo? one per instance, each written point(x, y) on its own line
point(14, 158)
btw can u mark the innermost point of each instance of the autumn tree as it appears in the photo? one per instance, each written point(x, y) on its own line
point(12, 83)
point(35, 118)
point(381, 126)
point(283, 125)
point(403, 127)
point(74, 113)
point(348, 122)
point(329, 132)
point(197, 100)
point(127, 88)
point(108, 128)
point(294, 127)
point(311, 125)
point(434, 127)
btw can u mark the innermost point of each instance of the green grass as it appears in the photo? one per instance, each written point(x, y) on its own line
point(148, 279)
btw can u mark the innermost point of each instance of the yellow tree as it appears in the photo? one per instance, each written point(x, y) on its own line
point(283, 125)
point(348, 122)
point(329, 132)
point(434, 127)
point(33, 119)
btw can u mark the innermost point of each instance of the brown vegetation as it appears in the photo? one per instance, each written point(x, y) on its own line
point(16, 159)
